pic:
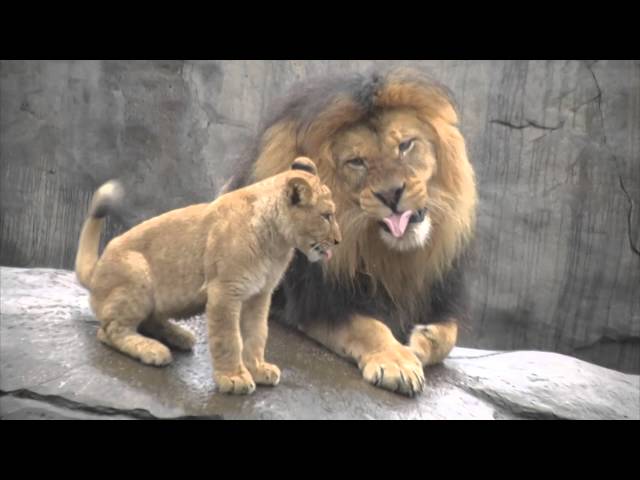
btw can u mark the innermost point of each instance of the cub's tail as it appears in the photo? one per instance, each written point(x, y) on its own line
point(104, 200)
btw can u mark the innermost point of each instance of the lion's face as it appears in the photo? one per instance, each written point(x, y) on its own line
point(384, 168)
point(389, 148)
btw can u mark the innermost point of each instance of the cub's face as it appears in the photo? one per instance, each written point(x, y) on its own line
point(384, 167)
point(312, 220)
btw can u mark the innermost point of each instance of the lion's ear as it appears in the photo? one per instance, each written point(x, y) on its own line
point(299, 191)
point(306, 164)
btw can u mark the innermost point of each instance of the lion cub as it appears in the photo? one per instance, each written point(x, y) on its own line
point(227, 256)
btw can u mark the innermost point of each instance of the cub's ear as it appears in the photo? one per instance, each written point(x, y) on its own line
point(299, 191)
point(306, 164)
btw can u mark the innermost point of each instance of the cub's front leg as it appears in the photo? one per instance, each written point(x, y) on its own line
point(254, 325)
point(225, 340)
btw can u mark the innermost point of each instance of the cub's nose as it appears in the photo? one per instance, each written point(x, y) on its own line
point(391, 197)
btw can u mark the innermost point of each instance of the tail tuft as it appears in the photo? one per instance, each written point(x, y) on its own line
point(107, 197)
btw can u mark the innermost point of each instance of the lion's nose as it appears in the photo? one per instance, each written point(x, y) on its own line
point(391, 197)
point(336, 242)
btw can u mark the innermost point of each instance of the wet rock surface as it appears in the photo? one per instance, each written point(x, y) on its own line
point(53, 367)
point(554, 144)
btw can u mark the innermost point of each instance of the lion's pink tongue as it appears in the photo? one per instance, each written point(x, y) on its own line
point(398, 222)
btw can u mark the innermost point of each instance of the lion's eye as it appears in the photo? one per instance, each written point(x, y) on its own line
point(405, 146)
point(327, 216)
point(357, 162)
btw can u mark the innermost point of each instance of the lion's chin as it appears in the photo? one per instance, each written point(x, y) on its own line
point(416, 236)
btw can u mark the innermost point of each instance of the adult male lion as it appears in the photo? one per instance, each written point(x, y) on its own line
point(389, 148)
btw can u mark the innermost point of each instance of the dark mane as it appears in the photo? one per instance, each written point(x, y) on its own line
point(313, 112)
point(306, 101)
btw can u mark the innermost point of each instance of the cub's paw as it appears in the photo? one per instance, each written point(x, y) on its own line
point(236, 384)
point(266, 374)
point(102, 336)
point(167, 332)
point(147, 350)
point(397, 369)
point(181, 338)
point(154, 353)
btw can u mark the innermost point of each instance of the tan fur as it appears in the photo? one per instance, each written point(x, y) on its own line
point(432, 343)
point(227, 256)
point(383, 360)
point(437, 175)
point(108, 194)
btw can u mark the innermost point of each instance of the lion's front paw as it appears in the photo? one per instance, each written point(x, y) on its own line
point(266, 374)
point(432, 343)
point(396, 369)
point(236, 384)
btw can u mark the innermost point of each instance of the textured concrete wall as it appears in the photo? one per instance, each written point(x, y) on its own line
point(556, 146)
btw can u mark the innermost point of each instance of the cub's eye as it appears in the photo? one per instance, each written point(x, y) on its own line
point(405, 146)
point(327, 216)
point(357, 162)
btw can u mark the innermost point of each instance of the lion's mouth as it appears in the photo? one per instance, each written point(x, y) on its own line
point(396, 224)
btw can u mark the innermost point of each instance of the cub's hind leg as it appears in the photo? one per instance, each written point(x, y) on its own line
point(167, 332)
point(120, 317)
point(122, 298)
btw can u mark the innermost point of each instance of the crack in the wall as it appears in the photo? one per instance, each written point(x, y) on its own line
point(598, 98)
point(528, 124)
point(634, 249)
point(136, 413)
point(616, 160)
point(586, 102)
